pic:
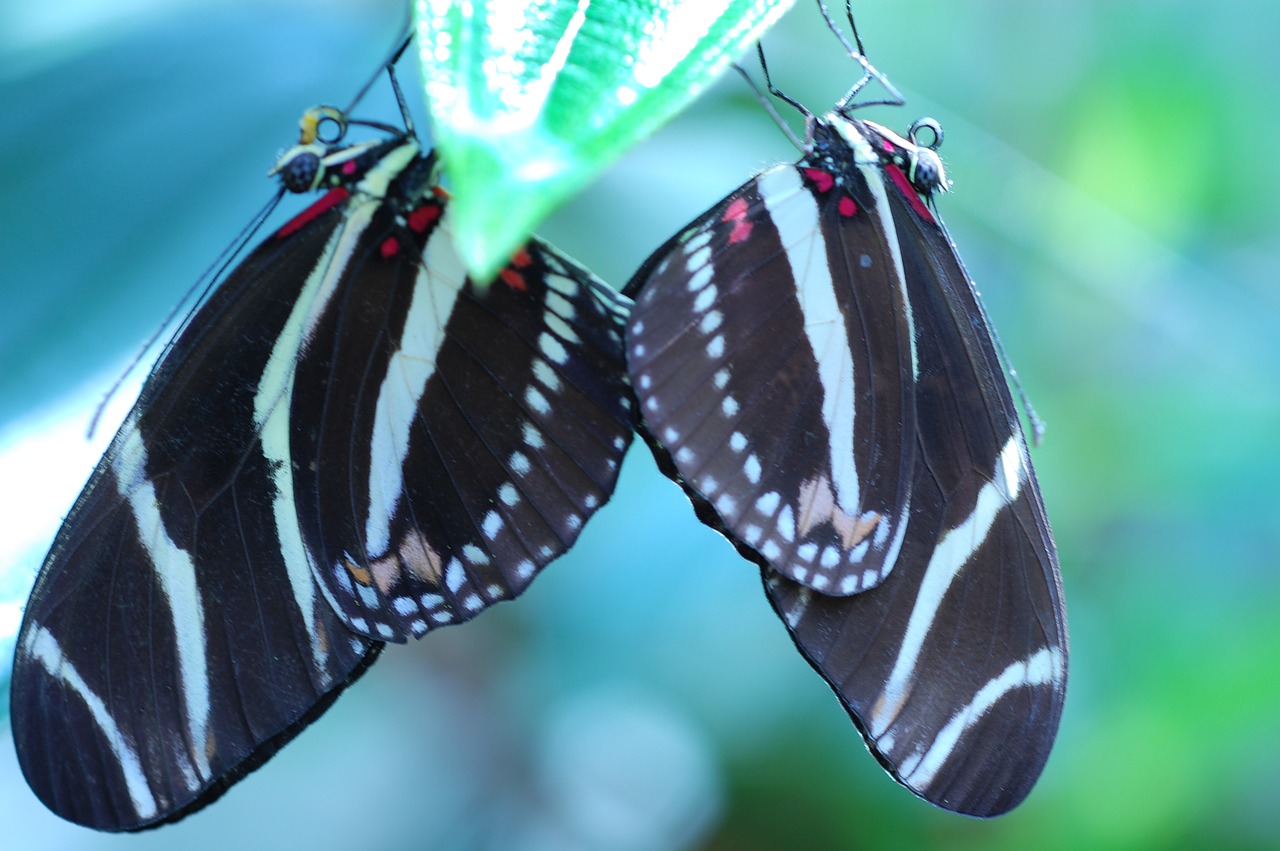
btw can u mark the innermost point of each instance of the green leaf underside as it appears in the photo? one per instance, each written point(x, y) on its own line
point(531, 99)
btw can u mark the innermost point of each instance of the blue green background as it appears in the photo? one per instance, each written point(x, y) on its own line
point(1115, 177)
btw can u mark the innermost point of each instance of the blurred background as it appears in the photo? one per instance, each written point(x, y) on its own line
point(1114, 198)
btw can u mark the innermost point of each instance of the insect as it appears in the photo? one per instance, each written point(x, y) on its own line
point(814, 367)
point(348, 443)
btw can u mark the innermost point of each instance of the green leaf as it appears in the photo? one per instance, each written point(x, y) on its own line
point(531, 99)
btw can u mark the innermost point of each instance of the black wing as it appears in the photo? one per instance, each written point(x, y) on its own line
point(954, 669)
point(468, 437)
point(770, 350)
point(175, 638)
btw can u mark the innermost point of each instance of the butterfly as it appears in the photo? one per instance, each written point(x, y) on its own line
point(814, 368)
point(350, 442)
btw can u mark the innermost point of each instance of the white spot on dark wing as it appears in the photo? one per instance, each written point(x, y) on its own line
point(670, 435)
point(819, 580)
point(729, 406)
point(473, 603)
point(705, 299)
point(807, 551)
point(573, 522)
point(368, 596)
point(494, 591)
point(546, 552)
point(525, 569)
point(711, 321)
point(770, 549)
point(343, 579)
point(431, 601)
point(417, 626)
point(508, 494)
point(752, 468)
point(404, 606)
point(561, 305)
point(698, 263)
point(865, 261)
point(848, 585)
point(830, 557)
point(441, 616)
point(560, 328)
point(552, 348)
point(453, 576)
point(715, 349)
point(646, 381)
point(768, 502)
point(638, 350)
point(565, 286)
point(721, 378)
point(637, 327)
point(619, 442)
point(532, 436)
point(492, 525)
point(652, 403)
point(537, 401)
point(475, 555)
point(520, 463)
point(737, 441)
point(787, 524)
point(709, 484)
point(684, 455)
point(591, 501)
point(385, 631)
point(360, 625)
point(546, 376)
point(751, 534)
point(726, 504)
point(699, 240)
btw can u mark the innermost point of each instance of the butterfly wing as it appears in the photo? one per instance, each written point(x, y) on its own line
point(468, 437)
point(770, 349)
point(954, 669)
point(175, 638)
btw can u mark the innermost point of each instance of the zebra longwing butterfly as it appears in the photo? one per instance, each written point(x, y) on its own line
point(814, 368)
point(349, 443)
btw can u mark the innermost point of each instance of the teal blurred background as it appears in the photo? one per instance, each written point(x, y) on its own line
point(1114, 198)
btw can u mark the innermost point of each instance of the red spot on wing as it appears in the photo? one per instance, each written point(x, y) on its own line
point(909, 191)
point(736, 212)
point(511, 276)
point(390, 247)
point(327, 202)
point(822, 180)
point(514, 279)
point(349, 167)
point(421, 218)
point(847, 207)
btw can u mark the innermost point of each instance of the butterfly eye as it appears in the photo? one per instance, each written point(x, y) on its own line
point(299, 170)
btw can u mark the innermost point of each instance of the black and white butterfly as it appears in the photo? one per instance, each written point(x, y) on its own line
point(349, 443)
point(814, 368)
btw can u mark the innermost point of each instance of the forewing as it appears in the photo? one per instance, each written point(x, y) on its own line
point(770, 349)
point(175, 638)
point(954, 669)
